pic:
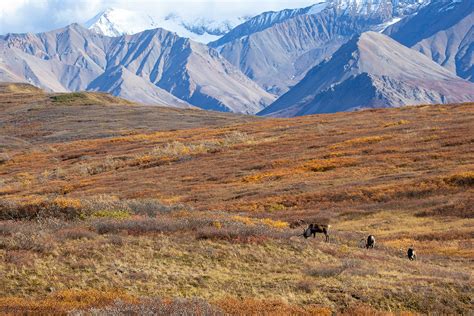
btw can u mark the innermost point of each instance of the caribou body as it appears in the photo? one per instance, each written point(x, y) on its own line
point(370, 242)
point(316, 228)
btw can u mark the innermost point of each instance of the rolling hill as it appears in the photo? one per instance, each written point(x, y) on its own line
point(192, 211)
point(83, 115)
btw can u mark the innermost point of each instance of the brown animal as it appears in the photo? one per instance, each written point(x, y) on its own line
point(411, 254)
point(317, 228)
point(370, 242)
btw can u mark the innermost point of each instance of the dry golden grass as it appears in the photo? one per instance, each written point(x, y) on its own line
point(358, 141)
point(13, 89)
point(203, 211)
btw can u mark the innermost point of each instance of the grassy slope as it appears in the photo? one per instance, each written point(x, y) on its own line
point(28, 115)
point(404, 175)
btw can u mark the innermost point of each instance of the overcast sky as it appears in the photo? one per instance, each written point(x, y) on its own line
point(18, 16)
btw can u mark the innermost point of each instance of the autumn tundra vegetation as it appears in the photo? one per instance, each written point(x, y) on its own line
point(110, 207)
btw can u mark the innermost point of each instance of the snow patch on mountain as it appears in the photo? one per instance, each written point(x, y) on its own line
point(450, 6)
point(367, 7)
point(116, 22)
point(265, 20)
point(317, 8)
point(385, 25)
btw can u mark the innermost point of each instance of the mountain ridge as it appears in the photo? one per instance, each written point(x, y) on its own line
point(116, 22)
point(371, 70)
point(277, 52)
point(272, 54)
point(69, 59)
point(443, 31)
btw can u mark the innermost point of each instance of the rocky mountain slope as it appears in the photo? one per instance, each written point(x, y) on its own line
point(276, 49)
point(264, 21)
point(121, 81)
point(371, 70)
point(443, 31)
point(155, 66)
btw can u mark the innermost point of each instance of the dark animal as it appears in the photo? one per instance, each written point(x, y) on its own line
point(316, 228)
point(370, 242)
point(411, 254)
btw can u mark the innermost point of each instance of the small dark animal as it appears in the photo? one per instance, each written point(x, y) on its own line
point(316, 228)
point(370, 242)
point(411, 254)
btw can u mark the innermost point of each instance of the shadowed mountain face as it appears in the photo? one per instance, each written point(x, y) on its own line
point(372, 70)
point(154, 66)
point(443, 31)
point(276, 49)
point(120, 81)
point(259, 23)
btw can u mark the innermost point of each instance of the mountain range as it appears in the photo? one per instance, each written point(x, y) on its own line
point(336, 55)
point(154, 66)
point(276, 49)
point(443, 31)
point(371, 71)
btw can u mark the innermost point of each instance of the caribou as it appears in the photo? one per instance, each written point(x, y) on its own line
point(370, 242)
point(316, 228)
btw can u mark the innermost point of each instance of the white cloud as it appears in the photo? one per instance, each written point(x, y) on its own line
point(42, 15)
point(18, 16)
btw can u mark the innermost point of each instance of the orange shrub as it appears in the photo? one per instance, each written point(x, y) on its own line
point(245, 220)
point(217, 224)
point(358, 141)
point(65, 203)
point(265, 176)
point(276, 224)
point(25, 178)
point(401, 122)
point(64, 301)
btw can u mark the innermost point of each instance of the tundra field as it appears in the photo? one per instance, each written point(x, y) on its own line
point(109, 207)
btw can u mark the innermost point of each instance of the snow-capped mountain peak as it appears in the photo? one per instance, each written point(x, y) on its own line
point(388, 11)
point(317, 8)
point(368, 7)
point(116, 22)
